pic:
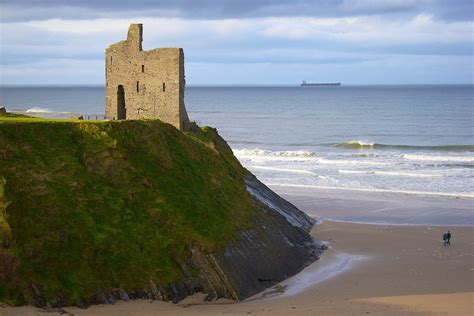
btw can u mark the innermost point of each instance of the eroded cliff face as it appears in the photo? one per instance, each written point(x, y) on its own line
point(99, 212)
point(276, 246)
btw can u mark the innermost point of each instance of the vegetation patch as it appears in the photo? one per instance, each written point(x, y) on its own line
point(12, 115)
point(100, 205)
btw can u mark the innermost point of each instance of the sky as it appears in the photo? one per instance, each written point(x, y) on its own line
point(245, 41)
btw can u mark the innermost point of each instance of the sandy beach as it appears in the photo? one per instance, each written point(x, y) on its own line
point(369, 269)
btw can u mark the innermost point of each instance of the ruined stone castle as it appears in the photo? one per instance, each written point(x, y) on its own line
point(145, 84)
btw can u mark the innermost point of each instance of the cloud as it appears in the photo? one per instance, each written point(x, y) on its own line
point(356, 34)
point(421, 28)
point(53, 71)
point(379, 6)
point(210, 9)
point(371, 29)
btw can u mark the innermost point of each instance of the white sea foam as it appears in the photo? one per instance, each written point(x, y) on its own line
point(388, 171)
point(262, 152)
point(346, 162)
point(391, 173)
point(361, 143)
point(466, 195)
point(37, 109)
point(287, 170)
point(263, 155)
point(438, 158)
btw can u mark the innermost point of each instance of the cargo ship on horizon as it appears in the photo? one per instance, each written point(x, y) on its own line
point(320, 84)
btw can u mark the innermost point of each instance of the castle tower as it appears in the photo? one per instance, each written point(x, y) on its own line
point(144, 84)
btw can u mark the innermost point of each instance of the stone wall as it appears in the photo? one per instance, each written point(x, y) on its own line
point(145, 84)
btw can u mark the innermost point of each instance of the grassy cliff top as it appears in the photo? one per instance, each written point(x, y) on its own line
point(87, 205)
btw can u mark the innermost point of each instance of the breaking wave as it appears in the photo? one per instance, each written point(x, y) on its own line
point(358, 144)
point(391, 173)
point(37, 109)
point(441, 174)
point(465, 195)
point(438, 158)
point(262, 152)
point(298, 155)
point(353, 144)
point(286, 170)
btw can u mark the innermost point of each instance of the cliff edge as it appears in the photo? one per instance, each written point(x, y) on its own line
point(94, 212)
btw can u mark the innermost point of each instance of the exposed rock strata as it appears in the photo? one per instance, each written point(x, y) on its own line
point(265, 254)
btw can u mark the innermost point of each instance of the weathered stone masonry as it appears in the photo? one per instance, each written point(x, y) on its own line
point(145, 84)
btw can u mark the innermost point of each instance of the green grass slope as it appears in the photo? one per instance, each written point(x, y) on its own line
point(88, 205)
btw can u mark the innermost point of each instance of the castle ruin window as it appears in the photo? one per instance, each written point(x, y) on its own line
point(143, 68)
point(121, 110)
point(164, 87)
point(138, 86)
point(111, 60)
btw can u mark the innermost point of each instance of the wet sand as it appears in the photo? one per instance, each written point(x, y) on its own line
point(380, 208)
point(394, 270)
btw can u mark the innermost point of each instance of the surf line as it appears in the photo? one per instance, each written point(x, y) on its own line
point(319, 271)
point(460, 195)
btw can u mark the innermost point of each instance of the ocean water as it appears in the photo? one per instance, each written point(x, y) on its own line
point(415, 140)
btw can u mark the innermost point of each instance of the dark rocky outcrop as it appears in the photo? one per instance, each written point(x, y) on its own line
point(277, 246)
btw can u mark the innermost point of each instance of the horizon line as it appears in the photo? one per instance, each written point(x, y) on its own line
point(240, 85)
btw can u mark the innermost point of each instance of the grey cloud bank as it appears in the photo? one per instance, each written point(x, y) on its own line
point(212, 9)
point(232, 42)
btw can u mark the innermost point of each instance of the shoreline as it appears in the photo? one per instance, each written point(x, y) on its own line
point(321, 221)
point(408, 271)
point(369, 268)
point(329, 266)
point(427, 194)
point(380, 208)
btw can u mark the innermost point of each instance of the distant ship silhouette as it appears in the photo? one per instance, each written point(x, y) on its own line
point(320, 84)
